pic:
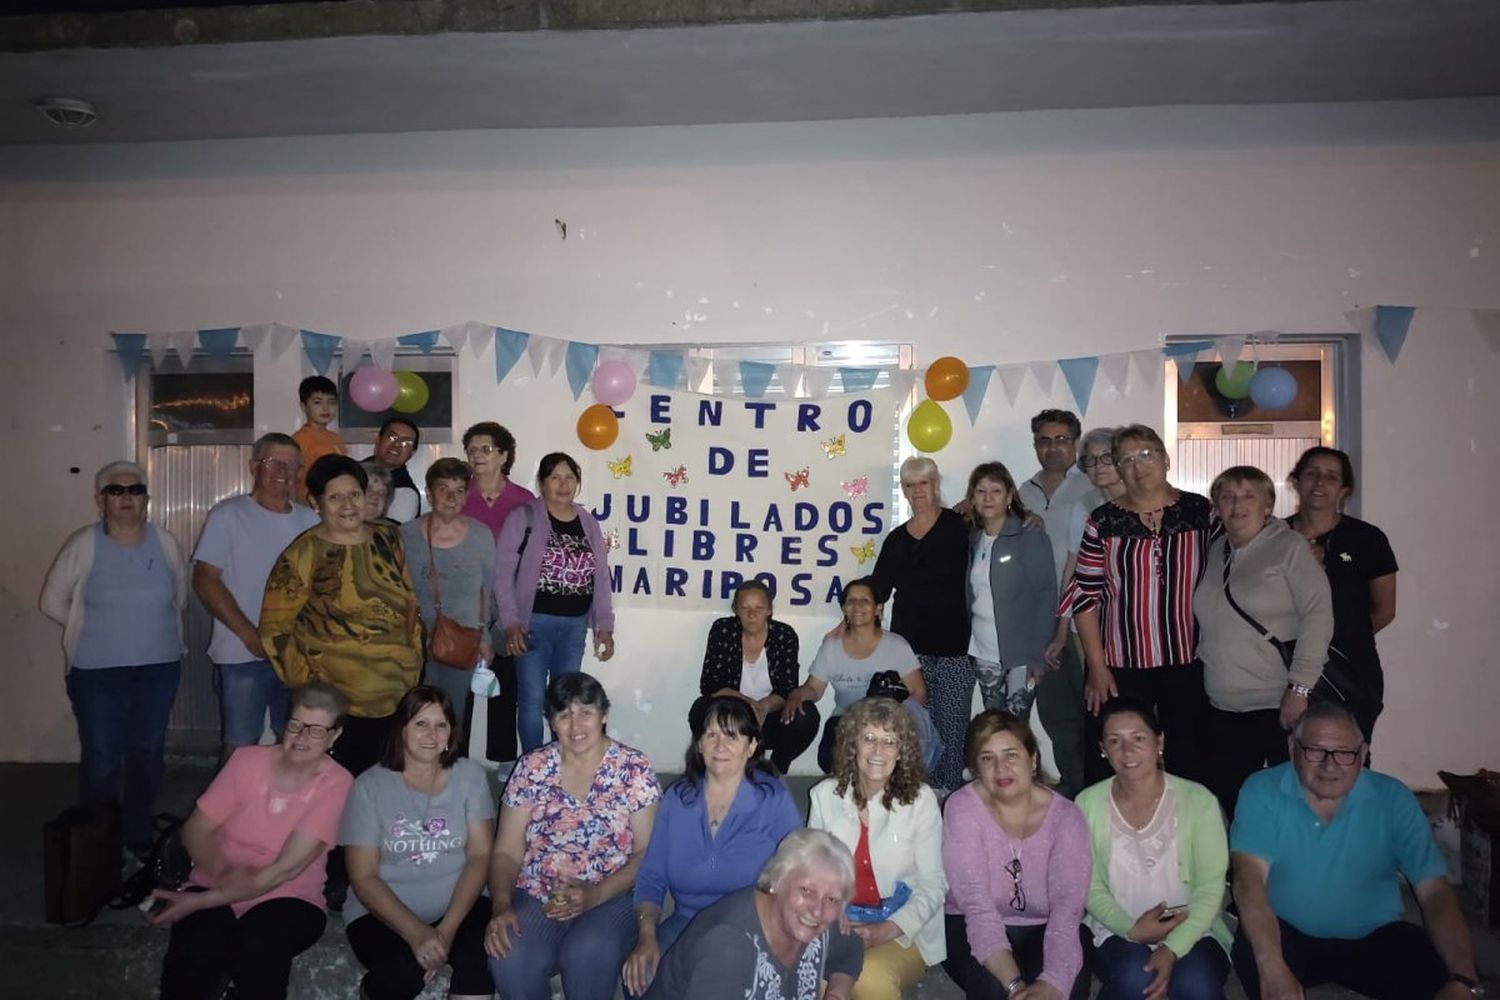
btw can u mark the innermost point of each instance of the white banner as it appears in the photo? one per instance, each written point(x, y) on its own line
point(698, 494)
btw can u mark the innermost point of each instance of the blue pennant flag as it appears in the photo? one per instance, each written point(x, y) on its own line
point(580, 362)
point(509, 346)
point(859, 379)
point(131, 347)
point(424, 341)
point(1186, 356)
point(664, 368)
point(1391, 324)
point(755, 376)
point(219, 343)
point(320, 348)
point(979, 381)
point(1080, 374)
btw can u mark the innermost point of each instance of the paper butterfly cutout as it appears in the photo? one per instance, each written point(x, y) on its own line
point(612, 539)
point(834, 446)
point(619, 469)
point(865, 551)
point(677, 476)
point(661, 440)
point(797, 480)
point(857, 487)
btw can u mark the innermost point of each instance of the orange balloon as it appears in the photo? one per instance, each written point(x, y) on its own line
point(598, 427)
point(947, 378)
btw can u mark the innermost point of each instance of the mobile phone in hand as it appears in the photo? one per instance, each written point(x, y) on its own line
point(1171, 911)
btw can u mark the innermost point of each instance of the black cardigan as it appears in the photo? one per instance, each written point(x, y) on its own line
point(930, 578)
point(724, 656)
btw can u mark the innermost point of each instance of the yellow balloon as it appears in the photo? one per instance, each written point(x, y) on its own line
point(598, 427)
point(928, 428)
point(412, 392)
point(947, 378)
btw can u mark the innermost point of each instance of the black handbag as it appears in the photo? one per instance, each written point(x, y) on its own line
point(1339, 683)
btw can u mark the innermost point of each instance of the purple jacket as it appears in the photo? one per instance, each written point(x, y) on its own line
point(517, 570)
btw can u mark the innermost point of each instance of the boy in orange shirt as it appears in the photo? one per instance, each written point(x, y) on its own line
point(320, 404)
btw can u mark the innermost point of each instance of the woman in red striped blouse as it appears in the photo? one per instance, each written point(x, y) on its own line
point(1132, 596)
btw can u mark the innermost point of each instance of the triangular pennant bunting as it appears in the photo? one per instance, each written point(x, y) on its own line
point(131, 347)
point(1391, 326)
point(664, 368)
point(255, 337)
point(282, 338)
point(556, 352)
point(858, 379)
point(902, 379)
point(509, 346)
point(701, 374)
point(158, 345)
point(581, 358)
point(219, 344)
point(979, 382)
point(1186, 356)
point(320, 348)
point(1044, 372)
point(1011, 377)
point(182, 343)
point(1116, 370)
point(1080, 373)
point(424, 341)
point(536, 350)
point(1230, 349)
point(383, 353)
point(1148, 367)
point(755, 377)
point(816, 380)
point(457, 336)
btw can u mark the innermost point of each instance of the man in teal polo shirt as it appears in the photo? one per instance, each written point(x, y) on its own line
point(1318, 846)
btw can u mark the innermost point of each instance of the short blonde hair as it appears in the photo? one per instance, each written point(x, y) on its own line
point(805, 850)
point(1243, 475)
point(1136, 432)
point(925, 468)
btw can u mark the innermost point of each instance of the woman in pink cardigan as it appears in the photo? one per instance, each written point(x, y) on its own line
point(1018, 862)
point(551, 587)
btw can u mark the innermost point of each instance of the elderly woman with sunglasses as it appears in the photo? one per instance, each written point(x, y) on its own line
point(1018, 864)
point(118, 588)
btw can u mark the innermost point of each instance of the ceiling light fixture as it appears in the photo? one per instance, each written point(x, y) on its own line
point(68, 112)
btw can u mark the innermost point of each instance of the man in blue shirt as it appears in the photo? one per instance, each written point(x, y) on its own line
point(1319, 845)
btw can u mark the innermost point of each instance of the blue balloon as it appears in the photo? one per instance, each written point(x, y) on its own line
point(1273, 388)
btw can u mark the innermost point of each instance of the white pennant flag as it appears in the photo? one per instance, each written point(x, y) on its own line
point(158, 345)
point(282, 337)
point(902, 379)
point(457, 336)
point(557, 350)
point(701, 374)
point(383, 353)
point(789, 377)
point(638, 361)
point(1229, 349)
point(1011, 377)
point(1116, 370)
point(255, 337)
point(1363, 321)
point(536, 351)
point(1148, 365)
point(1044, 372)
point(182, 342)
point(816, 380)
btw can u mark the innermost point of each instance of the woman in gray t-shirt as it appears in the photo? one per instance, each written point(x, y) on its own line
point(417, 832)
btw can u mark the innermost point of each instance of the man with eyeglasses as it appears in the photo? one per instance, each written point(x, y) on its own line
point(240, 542)
point(1058, 486)
point(1319, 848)
point(394, 445)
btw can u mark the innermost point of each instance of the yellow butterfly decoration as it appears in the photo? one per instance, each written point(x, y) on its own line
point(864, 552)
point(620, 469)
point(834, 446)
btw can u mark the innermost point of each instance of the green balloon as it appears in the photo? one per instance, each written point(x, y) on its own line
point(411, 392)
point(1233, 382)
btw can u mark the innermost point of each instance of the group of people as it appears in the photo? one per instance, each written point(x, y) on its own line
point(1184, 641)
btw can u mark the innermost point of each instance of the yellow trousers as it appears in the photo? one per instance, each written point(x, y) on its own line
point(889, 968)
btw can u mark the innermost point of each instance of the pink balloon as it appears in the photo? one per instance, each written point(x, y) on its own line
point(373, 389)
point(614, 383)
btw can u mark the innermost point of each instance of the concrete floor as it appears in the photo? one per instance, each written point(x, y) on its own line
point(119, 957)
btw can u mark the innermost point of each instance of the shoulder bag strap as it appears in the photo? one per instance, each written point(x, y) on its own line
point(437, 597)
point(1229, 596)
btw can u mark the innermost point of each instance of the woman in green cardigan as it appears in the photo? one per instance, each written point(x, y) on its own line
point(1160, 856)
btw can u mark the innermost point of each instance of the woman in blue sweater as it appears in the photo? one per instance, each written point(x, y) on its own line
point(715, 830)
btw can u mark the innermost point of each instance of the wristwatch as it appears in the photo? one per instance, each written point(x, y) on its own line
point(1472, 985)
point(1301, 689)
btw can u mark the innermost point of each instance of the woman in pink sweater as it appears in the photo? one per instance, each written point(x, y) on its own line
point(1018, 863)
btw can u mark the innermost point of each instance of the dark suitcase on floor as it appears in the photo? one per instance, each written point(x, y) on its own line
point(81, 858)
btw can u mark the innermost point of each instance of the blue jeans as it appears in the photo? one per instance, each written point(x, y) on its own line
point(554, 646)
point(588, 951)
point(1198, 975)
point(122, 731)
point(246, 692)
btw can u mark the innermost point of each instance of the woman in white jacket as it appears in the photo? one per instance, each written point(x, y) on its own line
point(878, 803)
point(118, 588)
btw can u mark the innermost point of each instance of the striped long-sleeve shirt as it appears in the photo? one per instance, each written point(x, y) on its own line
point(1142, 581)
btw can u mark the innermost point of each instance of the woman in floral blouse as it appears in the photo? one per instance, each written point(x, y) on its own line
point(575, 820)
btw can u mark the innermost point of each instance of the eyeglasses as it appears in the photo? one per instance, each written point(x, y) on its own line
point(1089, 461)
point(392, 437)
point(279, 464)
point(1017, 895)
point(1146, 456)
point(1317, 475)
point(1317, 755)
point(116, 490)
point(1057, 440)
point(872, 741)
point(481, 449)
point(312, 729)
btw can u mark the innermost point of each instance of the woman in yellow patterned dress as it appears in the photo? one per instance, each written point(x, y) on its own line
point(339, 608)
